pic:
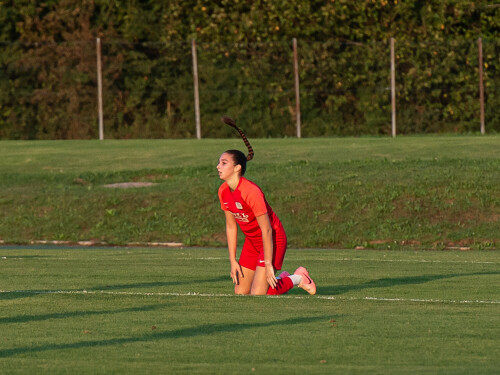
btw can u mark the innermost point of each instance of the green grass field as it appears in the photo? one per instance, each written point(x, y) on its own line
point(433, 192)
point(156, 310)
point(393, 307)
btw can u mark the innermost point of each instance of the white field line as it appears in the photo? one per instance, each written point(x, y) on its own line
point(210, 295)
point(368, 260)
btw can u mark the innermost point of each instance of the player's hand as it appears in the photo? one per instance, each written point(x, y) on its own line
point(270, 277)
point(236, 272)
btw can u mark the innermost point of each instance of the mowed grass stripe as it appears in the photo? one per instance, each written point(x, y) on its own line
point(442, 276)
point(159, 311)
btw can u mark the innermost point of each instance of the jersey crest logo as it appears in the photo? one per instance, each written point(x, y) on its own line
point(238, 205)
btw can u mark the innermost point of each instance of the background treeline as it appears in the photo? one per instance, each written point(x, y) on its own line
point(48, 78)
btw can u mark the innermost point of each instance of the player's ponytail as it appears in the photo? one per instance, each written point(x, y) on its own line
point(229, 121)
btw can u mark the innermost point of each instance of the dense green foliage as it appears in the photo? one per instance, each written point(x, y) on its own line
point(408, 192)
point(48, 66)
point(173, 311)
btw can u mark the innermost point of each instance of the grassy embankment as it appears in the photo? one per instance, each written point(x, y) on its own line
point(418, 192)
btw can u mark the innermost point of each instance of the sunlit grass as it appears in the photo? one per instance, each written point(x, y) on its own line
point(151, 310)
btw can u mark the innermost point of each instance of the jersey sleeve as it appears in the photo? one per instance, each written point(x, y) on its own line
point(254, 197)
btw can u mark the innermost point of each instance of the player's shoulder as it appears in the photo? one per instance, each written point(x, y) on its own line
point(249, 187)
point(223, 187)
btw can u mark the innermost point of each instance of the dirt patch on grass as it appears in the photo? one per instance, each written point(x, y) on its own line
point(128, 185)
point(152, 177)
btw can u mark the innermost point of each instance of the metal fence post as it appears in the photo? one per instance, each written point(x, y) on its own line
point(481, 84)
point(393, 88)
point(297, 90)
point(99, 89)
point(196, 89)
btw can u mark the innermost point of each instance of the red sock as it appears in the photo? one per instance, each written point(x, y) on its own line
point(283, 286)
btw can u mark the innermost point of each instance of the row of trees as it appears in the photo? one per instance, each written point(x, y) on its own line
point(48, 77)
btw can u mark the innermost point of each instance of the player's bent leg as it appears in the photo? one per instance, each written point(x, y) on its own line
point(261, 287)
point(259, 284)
point(245, 281)
point(283, 285)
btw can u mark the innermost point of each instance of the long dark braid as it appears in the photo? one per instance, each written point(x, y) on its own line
point(229, 121)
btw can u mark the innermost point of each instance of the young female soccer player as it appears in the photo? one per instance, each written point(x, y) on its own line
point(244, 204)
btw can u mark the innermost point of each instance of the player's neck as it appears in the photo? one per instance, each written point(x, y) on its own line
point(233, 182)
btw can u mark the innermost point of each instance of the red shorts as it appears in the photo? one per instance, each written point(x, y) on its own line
point(252, 253)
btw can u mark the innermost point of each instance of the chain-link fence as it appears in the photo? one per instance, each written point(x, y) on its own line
point(50, 90)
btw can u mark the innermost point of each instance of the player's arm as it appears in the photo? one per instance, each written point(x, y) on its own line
point(267, 241)
point(232, 237)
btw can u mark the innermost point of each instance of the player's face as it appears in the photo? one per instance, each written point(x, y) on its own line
point(226, 167)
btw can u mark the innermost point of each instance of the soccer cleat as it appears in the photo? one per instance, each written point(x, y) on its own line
point(307, 283)
point(283, 274)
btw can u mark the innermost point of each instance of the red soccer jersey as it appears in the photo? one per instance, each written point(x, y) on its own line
point(246, 203)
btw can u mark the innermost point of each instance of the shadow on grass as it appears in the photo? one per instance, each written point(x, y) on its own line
point(394, 281)
point(199, 330)
point(72, 314)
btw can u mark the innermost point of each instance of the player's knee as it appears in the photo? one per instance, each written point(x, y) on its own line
point(258, 292)
point(240, 291)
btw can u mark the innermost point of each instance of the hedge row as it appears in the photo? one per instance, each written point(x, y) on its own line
point(48, 74)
